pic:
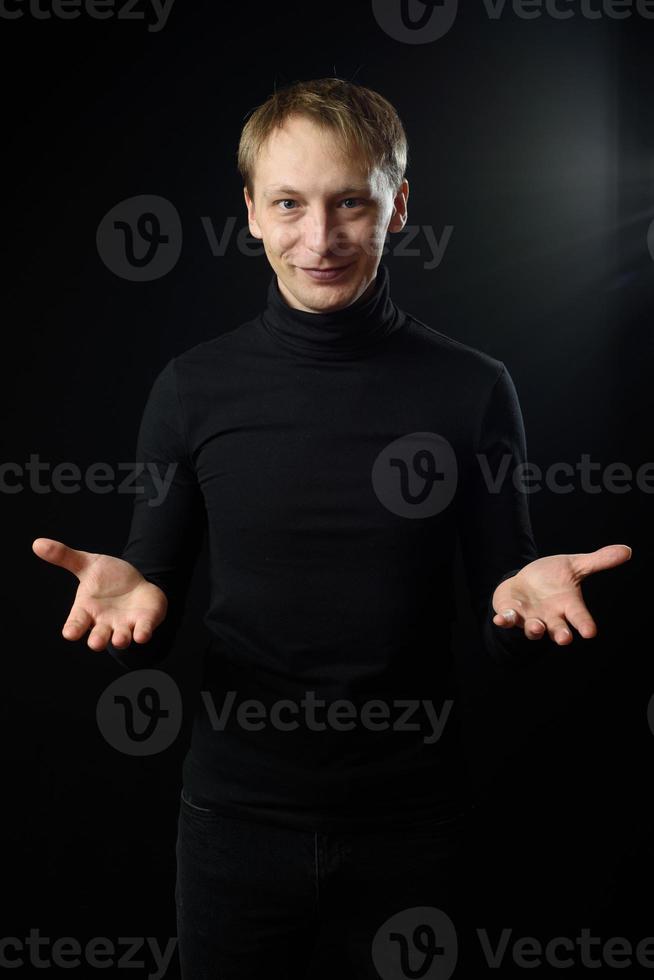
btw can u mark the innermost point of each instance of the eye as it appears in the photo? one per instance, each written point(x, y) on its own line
point(290, 200)
point(284, 201)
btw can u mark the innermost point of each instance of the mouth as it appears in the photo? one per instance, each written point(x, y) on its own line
point(328, 273)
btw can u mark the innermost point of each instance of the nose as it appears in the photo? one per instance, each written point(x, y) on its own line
point(324, 237)
point(318, 232)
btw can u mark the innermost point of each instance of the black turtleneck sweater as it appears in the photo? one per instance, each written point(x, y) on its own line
point(332, 460)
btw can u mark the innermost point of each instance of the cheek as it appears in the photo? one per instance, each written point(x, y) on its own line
point(357, 234)
point(371, 236)
point(281, 238)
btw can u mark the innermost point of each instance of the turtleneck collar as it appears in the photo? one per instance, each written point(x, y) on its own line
point(336, 333)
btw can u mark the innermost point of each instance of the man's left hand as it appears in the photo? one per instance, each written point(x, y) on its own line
point(545, 595)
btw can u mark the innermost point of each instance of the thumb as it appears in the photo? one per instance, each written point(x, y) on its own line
point(58, 553)
point(606, 557)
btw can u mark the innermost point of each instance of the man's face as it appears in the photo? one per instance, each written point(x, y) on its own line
point(315, 208)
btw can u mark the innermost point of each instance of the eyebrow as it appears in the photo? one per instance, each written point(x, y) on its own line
point(291, 190)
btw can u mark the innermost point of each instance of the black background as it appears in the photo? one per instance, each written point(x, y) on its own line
point(534, 140)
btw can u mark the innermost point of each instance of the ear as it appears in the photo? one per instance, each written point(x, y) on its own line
point(399, 215)
point(253, 224)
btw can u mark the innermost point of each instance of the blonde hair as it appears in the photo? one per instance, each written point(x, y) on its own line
point(362, 119)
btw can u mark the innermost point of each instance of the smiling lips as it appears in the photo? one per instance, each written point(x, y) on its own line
point(328, 273)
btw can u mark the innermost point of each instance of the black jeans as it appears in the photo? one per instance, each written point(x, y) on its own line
point(261, 901)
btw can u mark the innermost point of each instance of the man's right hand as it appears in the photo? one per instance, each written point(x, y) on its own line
point(113, 599)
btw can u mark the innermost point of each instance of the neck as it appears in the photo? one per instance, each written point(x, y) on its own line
point(288, 297)
point(342, 333)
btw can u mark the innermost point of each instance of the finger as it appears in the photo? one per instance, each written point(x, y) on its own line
point(508, 618)
point(535, 628)
point(122, 636)
point(99, 637)
point(58, 553)
point(77, 624)
point(578, 616)
point(606, 557)
point(143, 630)
point(558, 630)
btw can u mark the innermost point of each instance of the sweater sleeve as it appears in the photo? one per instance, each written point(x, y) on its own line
point(493, 521)
point(168, 517)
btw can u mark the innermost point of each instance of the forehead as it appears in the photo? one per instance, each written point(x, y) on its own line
point(302, 156)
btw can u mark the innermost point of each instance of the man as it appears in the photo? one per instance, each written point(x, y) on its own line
point(331, 449)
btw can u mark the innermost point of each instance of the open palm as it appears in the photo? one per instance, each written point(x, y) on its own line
point(113, 600)
point(545, 595)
